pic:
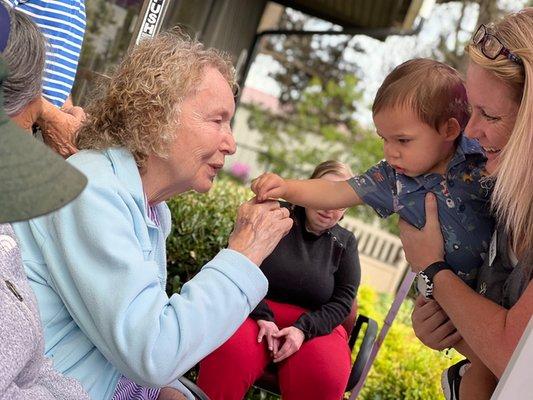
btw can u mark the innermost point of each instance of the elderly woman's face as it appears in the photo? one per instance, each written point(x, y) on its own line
point(494, 112)
point(203, 137)
point(320, 220)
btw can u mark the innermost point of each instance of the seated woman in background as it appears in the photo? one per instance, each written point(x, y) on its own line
point(313, 278)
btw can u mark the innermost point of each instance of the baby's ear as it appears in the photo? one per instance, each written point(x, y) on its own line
point(450, 129)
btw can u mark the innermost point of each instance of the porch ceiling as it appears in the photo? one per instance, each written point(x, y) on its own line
point(365, 14)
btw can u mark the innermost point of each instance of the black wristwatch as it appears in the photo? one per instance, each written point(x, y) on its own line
point(424, 282)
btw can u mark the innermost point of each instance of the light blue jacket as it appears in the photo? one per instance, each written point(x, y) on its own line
point(98, 269)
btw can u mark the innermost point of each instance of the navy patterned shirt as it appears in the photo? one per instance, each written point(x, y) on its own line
point(463, 195)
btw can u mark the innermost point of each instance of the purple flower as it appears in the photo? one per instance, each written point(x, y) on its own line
point(240, 170)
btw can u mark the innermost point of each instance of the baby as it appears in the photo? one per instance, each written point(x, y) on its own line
point(419, 112)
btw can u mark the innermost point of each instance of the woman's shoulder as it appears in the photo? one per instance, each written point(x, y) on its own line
point(345, 236)
point(110, 168)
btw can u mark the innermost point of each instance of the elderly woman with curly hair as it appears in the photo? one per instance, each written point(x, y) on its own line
point(98, 266)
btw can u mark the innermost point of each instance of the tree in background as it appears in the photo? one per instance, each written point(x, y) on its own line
point(317, 126)
point(450, 48)
point(319, 96)
point(319, 99)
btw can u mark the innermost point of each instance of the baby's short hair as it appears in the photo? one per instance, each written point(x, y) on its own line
point(433, 90)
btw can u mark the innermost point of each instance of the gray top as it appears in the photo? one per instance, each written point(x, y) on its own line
point(500, 280)
point(25, 373)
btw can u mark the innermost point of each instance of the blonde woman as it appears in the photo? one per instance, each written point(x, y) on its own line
point(486, 324)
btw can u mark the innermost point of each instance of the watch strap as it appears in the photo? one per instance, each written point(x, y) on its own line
point(432, 269)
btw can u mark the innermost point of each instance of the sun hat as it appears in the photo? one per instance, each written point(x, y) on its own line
point(33, 179)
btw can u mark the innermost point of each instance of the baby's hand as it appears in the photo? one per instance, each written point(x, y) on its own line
point(269, 186)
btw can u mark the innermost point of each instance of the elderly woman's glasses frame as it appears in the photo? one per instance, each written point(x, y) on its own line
point(491, 46)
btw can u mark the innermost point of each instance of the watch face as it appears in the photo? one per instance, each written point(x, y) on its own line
point(424, 285)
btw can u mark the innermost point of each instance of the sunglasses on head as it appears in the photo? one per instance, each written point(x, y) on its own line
point(491, 46)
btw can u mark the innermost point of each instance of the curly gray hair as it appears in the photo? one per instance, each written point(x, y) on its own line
point(138, 108)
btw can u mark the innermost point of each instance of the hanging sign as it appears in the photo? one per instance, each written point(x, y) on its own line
point(152, 19)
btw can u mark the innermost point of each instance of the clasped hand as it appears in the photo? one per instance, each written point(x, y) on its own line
point(433, 326)
point(281, 343)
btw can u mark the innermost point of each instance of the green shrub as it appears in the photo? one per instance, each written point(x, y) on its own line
point(404, 368)
point(201, 225)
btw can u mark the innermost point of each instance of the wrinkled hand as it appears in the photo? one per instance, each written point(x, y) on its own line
point(267, 329)
point(432, 325)
point(292, 338)
point(168, 393)
point(269, 186)
point(425, 246)
point(259, 228)
point(59, 127)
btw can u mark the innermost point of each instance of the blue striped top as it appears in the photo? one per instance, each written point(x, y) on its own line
point(63, 24)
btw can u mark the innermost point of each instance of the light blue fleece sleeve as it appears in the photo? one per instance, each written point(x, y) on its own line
point(97, 265)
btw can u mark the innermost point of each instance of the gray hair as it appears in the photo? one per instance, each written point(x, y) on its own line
point(163, 69)
point(24, 56)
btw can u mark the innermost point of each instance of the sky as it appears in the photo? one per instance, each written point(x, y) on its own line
point(381, 56)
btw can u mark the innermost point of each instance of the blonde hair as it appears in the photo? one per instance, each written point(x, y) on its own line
point(331, 167)
point(139, 108)
point(433, 90)
point(513, 190)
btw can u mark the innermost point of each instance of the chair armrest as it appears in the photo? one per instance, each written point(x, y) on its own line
point(364, 350)
point(195, 390)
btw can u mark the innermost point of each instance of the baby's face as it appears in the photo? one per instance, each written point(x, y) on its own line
point(411, 146)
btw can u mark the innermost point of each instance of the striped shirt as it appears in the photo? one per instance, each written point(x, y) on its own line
point(128, 390)
point(62, 22)
point(151, 211)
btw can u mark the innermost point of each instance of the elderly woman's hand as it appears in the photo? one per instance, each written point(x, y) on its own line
point(259, 228)
point(59, 127)
point(432, 325)
point(425, 246)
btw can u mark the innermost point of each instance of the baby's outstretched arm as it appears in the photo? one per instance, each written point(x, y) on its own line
point(320, 194)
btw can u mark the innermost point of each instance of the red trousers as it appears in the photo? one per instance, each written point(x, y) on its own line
point(319, 370)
